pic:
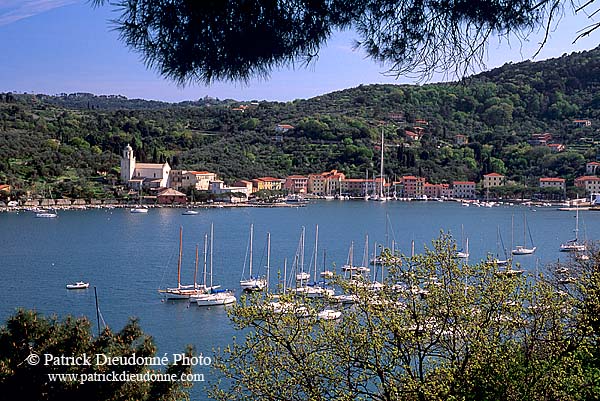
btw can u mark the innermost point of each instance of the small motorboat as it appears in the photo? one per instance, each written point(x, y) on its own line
point(190, 213)
point(80, 285)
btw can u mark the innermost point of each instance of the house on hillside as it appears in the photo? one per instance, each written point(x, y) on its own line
point(582, 123)
point(283, 128)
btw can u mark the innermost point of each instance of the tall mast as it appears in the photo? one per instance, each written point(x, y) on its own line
point(205, 248)
point(196, 270)
point(211, 252)
point(284, 274)
point(381, 167)
point(268, 258)
point(251, 235)
point(179, 261)
point(302, 251)
point(316, 251)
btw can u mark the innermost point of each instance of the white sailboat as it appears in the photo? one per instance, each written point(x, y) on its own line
point(522, 249)
point(379, 196)
point(182, 291)
point(497, 261)
point(317, 289)
point(252, 283)
point(574, 245)
point(47, 214)
point(214, 295)
point(301, 275)
point(349, 266)
point(463, 253)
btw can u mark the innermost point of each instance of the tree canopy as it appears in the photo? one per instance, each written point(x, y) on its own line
point(438, 329)
point(236, 40)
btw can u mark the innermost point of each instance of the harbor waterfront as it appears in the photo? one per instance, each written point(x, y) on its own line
point(128, 257)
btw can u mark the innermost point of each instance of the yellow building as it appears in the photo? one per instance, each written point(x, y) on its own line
point(268, 183)
point(493, 180)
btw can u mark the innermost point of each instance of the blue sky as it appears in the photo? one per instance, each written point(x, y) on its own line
point(54, 46)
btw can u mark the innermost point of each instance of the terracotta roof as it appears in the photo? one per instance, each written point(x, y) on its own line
point(493, 175)
point(551, 179)
point(268, 179)
point(285, 126)
point(292, 177)
point(170, 192)
point(199, 172)
point(588, 178)
point(594, 163)
point(463, 183)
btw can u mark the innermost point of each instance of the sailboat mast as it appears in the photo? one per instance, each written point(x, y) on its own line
point(381, 167)
point(251, 235)
point(302, 251)
point(179, 261)
point(205, 249)
point(284, 274)
point(211, 252)
point(316, 251)
point(268, 259)
point(196, 270)
point(576, 223)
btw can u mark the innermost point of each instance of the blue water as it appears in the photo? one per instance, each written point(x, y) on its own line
point(127, 257)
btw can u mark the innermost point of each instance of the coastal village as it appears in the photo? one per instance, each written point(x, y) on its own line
point(162, 185)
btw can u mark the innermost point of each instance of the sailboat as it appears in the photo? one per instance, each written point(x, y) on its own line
point(522, 249)
point(301, 275)
point(46, 214)
point(349, 266)
point(191, 212)
point(182, 291)
point(213, 296)
point(463, 253)
point(317, 289)
point(139, 208)
point(497, 261)
point(380, 197)
point(252, 283)
point(574, 245)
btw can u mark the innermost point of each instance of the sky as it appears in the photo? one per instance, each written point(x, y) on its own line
point(65, 46)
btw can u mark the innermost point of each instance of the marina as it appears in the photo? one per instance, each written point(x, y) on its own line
point(127, 258)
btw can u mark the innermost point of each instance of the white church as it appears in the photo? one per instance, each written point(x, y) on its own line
point(143, 175)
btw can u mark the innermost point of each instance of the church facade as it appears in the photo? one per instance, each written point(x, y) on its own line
point(143, 175)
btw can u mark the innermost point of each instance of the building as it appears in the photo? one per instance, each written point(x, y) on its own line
point(296, 184)
point(460, 139)
point(411, 136)
point(591, 168)
point(360, 186)
point(436, 190)
point(266, 183)
point(218, 187)
point(244, 184)
point(413, 187)
point(590, 183)
point(325, 184)
point(143, 175)
point(283, 128)
point(199, 180)
point(464, 189)
point(493, 180)
point(171, 196)
point(582, 123)
point(552, 182)
point(557, 147)
point(542, 139)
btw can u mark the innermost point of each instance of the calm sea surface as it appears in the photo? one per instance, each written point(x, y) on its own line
point(127, 257)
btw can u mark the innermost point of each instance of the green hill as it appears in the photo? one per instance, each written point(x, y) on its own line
point(73, 141)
